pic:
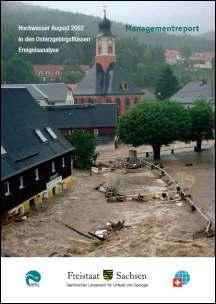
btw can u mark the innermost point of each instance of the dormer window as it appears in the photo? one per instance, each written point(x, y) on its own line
point(124, 86)
point(51, 133)
point(40, 135)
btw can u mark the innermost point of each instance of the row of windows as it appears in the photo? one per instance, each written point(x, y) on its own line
point(47, 73)
point(96, 132)
point(108, 100)
point(110, 50)
point(37, 178)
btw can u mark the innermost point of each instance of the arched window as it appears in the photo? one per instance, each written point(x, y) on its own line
point(110, 47)
point(99, 47)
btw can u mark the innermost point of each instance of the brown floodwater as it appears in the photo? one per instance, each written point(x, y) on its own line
point(154, 228)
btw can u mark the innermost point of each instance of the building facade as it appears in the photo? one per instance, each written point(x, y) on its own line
point(36, 160)
point(53, 72)
point(106, 82)
point(172, 57)
point(99, 120)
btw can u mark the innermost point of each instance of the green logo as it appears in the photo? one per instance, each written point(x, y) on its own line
point(33, 278)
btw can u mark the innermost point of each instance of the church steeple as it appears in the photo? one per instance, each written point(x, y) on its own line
point(105, 44)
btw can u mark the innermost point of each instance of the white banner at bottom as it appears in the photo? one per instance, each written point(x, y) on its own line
point(108, 280)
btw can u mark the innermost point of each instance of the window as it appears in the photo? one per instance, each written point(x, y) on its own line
point(69, 132)
point(124, 86)
point(57, 73)
point(63, 162)
point(135, 100)
point(40, 135)
point(96, 132)
point(3, 151)
point(110, 50)
point(40, 74)
point(99, 47)
point(21, 186)
point(118, 101)
point(47, 73)
point(127, 103)
point(53, 167)
point(99, 50)
point(36, 174)
point(6, 188)
point(51, 133)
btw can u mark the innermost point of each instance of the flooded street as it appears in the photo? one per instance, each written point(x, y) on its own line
point(153, 228)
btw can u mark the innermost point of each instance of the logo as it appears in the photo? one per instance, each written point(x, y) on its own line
point(33, 278)
point(181, 278)
point(107, 274)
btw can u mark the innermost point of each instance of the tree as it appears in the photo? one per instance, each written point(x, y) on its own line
point(71, 72)
point(186, 51)
point(202, 122)
point(154, 123)
point(71, 76)
point(85, 145)
point(167, 83)
point(18, 70)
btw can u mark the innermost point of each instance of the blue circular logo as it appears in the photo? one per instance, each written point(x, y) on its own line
point(184, 275)
point(33, 278)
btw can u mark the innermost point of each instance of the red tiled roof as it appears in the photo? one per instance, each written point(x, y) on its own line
point(204, 56)
point(172, 53)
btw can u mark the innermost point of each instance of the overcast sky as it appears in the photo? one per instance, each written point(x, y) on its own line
point(144, 12)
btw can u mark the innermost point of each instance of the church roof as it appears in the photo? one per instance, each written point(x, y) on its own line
point(111, 82)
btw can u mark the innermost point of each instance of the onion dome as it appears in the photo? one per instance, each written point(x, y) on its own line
point(105, 26)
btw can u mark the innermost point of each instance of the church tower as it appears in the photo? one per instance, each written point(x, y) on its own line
point(105, 44)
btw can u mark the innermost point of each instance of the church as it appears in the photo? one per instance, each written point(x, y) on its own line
point(105, 82)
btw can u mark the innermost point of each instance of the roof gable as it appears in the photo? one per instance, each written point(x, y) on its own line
point(20, 117)
point(98, 82)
